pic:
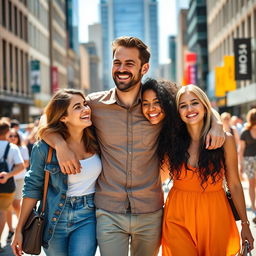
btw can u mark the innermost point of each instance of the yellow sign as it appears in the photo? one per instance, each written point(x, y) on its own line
point(220, 78)
point(229, 66)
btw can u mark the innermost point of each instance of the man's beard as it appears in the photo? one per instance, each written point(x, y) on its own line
point(125, 87)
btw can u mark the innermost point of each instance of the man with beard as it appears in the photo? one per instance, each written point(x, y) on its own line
point(129, 197)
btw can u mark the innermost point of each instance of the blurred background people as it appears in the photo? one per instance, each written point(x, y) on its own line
point(247, 155)
point(228, 127)
point(15, 165)
point(15, 138)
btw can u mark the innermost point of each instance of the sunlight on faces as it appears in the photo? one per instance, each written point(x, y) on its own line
point(127, 71)
point(191, 109)
point(13, 136)
point(78, 113)
point(151, 107)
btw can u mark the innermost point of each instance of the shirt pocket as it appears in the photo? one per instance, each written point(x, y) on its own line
point(52, 168)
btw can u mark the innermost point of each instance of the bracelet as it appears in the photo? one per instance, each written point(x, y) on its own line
point(245, 222)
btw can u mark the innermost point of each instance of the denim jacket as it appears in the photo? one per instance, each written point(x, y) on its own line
point(57, 188)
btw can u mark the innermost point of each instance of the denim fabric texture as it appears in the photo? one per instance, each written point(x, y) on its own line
point(57, 189)
point(75, 233)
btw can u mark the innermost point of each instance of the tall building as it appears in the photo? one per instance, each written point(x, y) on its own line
point(181, 43)
point(94, 84)
point(172, 57)
point(73, 59)
point(197, 39)
point(95, 36)
point(24, 57)
point(228, 20)
point(58, 44)
point(137, 18)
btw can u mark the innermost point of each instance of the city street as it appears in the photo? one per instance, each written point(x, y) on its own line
point(8, 251)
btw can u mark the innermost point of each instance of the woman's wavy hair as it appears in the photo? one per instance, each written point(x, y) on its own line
point(166, 92)
point(251, 118)
point(210, 162)
point(55, 110)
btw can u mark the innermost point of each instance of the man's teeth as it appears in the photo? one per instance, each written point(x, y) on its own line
point(123, 76)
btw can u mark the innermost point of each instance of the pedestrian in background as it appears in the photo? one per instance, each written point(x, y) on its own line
point(70, 221)
point(228, 127)
point(15, 165)
point(16, 139)
point(247, 155)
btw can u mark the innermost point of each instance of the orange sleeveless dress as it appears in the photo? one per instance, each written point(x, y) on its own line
point(198, 222)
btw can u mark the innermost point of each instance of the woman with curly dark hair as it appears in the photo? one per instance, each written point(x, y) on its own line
point(197, 217)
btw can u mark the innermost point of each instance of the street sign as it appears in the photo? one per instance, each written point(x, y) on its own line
point(35, 81)
point(243, 58)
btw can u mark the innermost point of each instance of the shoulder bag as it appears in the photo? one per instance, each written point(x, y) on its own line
point(232, 205)
point(33, 228)
point(9, 185)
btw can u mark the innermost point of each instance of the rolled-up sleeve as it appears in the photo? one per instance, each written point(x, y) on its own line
point(34, 179)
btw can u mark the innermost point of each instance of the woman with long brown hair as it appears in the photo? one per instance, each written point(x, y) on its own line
point(70, 227)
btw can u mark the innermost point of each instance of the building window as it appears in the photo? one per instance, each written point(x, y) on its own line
point(11, 66)
point(10, 15)
point(21, 25)
point(21, 72)
point(3, 13)
point(17, 68)
point(15, 21)
point(4, 65)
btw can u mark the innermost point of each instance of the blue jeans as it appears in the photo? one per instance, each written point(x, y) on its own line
point(75, 232)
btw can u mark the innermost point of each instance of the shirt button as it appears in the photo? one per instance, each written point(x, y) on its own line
point(63, 196)
point(61, 204)
point(54, 219)
point(57, 212)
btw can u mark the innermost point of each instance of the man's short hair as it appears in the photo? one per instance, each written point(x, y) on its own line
point(14, 123)
point(4, 127)
point(132, 42)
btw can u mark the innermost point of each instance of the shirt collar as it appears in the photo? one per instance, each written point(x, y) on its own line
point(111, 98)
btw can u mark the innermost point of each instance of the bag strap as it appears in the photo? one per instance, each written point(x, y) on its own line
point(6, 151)
point(46, 179)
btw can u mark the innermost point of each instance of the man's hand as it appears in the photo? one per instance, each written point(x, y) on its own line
point(68, 162)
point(4, 176)
point(215, 137)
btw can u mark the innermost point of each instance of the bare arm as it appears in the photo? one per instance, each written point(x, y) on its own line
point(27, 205)
point(4, 176)
point(216, 137)
point(241, 154)
point(236, 188)
point(68, 162)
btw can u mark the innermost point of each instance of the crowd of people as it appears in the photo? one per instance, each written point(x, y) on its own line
point(113, 150)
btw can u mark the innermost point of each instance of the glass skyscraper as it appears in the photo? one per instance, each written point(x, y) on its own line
point(137, 18)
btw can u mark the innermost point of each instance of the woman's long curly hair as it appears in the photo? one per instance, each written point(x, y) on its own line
point(166, 92)
point(55, 110)
point(210, 162)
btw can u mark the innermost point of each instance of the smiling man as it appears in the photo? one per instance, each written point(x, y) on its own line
point(129, 197)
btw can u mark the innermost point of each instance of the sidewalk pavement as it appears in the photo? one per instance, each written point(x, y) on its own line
point(8, 251)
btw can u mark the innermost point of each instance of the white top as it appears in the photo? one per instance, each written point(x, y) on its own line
point(14, 155)
point(25, 156)
point(83, 183)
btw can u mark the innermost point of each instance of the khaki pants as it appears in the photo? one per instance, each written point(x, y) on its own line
point(6, 200)
point(115, 231)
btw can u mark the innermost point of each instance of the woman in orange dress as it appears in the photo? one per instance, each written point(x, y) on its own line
point(197, 219)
